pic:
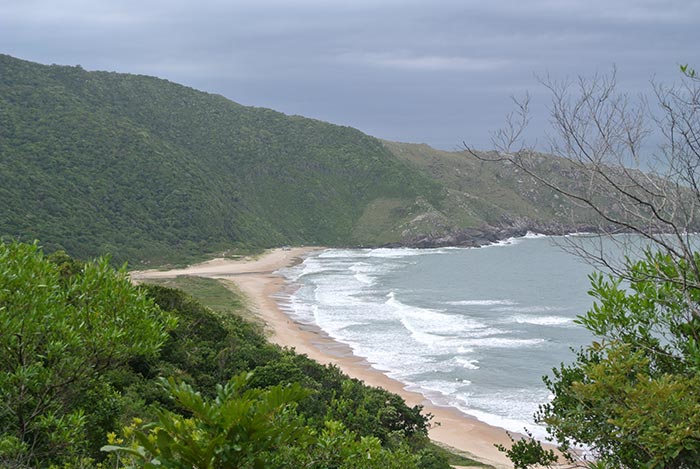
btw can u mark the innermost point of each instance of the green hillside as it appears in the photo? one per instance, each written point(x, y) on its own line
point(155, 172)
point(487, 198)
point(96, 162)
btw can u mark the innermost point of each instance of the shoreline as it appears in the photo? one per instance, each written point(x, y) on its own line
point(256, 278)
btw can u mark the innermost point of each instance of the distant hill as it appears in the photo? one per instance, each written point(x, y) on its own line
point(486, 200)
point(152, 171)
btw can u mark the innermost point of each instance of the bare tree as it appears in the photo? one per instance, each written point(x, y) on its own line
point(636, 164)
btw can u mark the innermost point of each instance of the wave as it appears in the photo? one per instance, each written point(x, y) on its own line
point(381, 253)
point(441, 387)
point(500, 421)
point(517, 239)
point(433, 327)
point(466, 363)
point(310, 266)
point(542, 320)
point(392, 253)
point(527, 309)
point(481, 302)
point(502, 342)
point(362, 273)
point(533, 235)
point(340, 253)
point(452, 340)
point(505, 242)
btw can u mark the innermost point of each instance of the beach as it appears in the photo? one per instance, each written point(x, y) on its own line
point(256, 278)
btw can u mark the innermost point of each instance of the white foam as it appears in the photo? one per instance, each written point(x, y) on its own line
point(533, 235)
point(510, 424)
point(433, 327)
point(480, 302)
point(502, 342)
point(437, 347)
point(392, 253)
point(431, 340)
point(364, 279)
point(466, 363)
point(362, 273)
point(442, 387)
point(340, 253)
point(512, 410)
point(505, 242)
point(528, 309)
point(542, 320)
point(309, 266)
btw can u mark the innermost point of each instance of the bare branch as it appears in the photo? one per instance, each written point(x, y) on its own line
point(603, 136)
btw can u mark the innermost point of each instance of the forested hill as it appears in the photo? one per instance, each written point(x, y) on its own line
point(155, 172)
point(95, 162)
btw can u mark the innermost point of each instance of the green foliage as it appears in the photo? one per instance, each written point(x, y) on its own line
point(220, 295)
point(205, 349)
point(94, 162)
point(689, 71)
point(528, 452)
point(87, 352)
point(235, 429)
point(487, 192)
point(435, 455)
point(59, 333)
point(155, 172)
point(362, 411)
point(632, 396)
point(248, 428)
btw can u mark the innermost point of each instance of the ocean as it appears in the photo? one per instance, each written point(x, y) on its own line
point(472, 328)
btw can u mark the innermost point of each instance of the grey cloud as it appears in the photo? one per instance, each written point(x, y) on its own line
point(429, 71)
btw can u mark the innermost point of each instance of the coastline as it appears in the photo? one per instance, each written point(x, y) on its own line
point(256, 278)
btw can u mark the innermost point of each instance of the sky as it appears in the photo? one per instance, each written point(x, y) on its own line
point(440, 72)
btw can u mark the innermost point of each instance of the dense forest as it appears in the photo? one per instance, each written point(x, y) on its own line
point(97, 162)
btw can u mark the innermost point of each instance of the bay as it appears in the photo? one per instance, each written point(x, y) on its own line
point(473, 328)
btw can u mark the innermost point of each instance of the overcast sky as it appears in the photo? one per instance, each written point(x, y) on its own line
point(437, 72)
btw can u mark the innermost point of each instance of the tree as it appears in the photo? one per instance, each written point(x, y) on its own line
point(631, 397)
point(59, 332)
point(247, 428)
point(605, 142)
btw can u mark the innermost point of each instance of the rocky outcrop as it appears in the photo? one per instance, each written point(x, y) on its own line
point(487, 234)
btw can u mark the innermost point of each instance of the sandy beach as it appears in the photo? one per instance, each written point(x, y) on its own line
point(257, 279)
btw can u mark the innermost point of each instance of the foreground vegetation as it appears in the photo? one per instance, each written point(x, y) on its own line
point(630, 398)
point(97, 371)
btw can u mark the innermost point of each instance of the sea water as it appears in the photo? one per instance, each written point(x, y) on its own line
point(472, 328)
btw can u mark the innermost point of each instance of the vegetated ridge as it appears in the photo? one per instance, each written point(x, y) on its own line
point(489, 200)
point(153, 171)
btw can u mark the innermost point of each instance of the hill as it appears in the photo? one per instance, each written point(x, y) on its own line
point(153, 172)
point(488, 200)
point(95, 162)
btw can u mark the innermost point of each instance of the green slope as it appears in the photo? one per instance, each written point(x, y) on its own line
point(155, 172)
point(96, 162)
point(496, 194)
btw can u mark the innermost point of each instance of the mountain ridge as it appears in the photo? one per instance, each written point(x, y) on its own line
point(153, 171)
